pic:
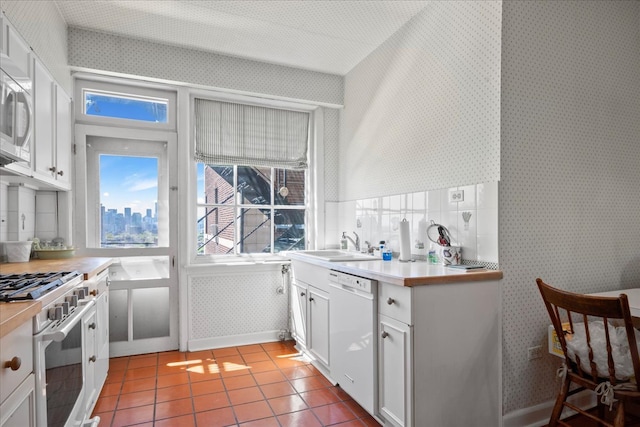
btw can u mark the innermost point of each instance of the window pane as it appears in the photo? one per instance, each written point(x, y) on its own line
point(288, 187)
point(215, 184)
point(254, 185)
point(289, 230)
point(254, 227)
point(128, 201)
point(216, 231)
point(125, 107)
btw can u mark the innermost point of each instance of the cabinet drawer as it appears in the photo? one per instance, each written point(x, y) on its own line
point(18, 343)
point(395, 301)
point(311, 274)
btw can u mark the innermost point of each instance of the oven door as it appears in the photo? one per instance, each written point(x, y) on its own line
point(60, 364)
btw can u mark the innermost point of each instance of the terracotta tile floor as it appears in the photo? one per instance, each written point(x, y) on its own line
point(255, 385)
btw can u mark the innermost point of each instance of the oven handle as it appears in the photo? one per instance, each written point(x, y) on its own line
point(61, 333)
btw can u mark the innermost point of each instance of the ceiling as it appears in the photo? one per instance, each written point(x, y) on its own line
point(328, 36)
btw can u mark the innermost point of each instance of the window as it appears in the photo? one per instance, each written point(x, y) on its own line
point(106, 104)
point(251, 164)
point(248, 209)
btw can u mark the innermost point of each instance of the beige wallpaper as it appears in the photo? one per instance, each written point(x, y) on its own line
point(422, 111)
point(41, 25)
point(569, 197)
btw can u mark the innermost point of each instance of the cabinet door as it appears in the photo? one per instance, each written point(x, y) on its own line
point(15, 49)
point(395, 369)
point(43, 121)
point(318, 340)
point(299, 313)
point(63, 137)
point(102, 340)
point(89, 325)
point(18, 410)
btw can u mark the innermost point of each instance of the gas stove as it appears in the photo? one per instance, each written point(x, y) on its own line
point(32, 286)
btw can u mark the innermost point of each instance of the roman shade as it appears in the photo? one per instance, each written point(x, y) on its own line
point(237, 134)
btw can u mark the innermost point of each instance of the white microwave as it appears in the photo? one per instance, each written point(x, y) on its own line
point(16, 119)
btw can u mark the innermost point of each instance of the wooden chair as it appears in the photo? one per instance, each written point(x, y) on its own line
point(573, 309)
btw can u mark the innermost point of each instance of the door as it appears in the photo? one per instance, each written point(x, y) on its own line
point(394, 364)
point(128, 180)
point(299, 313)
point(318, 340)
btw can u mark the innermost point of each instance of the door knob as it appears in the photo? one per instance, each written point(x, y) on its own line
point(391, 301)
point(92, 325)
point(92, 359)
point(14, 364)
point(385, 334)
point(311, 299)
point(302, 294)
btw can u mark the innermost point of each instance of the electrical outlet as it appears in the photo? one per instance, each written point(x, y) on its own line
point(456, 196)
point(535, 352)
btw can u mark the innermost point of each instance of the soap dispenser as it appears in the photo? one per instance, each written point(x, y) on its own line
point(344, 244)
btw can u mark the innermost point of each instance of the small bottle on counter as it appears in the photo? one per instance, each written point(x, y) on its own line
point(344, 244)
point(433, 255)
point(387, 254)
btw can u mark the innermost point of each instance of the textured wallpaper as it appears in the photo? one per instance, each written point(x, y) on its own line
point(569, 199)
point(101, 51)
point(41, 25)
point(422, 111)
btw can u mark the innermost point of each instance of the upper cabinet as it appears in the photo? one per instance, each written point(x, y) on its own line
point(52, 130)
point(51, 141)
point(14, 48)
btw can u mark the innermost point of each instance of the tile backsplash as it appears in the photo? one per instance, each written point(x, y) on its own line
point(378, 218)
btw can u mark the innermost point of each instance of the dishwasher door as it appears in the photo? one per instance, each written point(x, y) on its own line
point(352, 317)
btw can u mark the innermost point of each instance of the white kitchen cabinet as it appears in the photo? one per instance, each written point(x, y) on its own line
point(17, 383)
point(318, 314)
point(298, 297)
point(439, 350)
point(43, 116)
point(52, 130)
point(15, 51)
point(310, 311)
point(394, 371)
point(96, 328)
point(19, 409)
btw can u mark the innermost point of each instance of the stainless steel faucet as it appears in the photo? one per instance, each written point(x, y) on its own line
point(356, 242)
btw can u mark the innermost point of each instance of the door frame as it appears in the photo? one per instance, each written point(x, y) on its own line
point(81, 189)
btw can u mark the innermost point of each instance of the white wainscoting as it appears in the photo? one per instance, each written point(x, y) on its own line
point(235, 305)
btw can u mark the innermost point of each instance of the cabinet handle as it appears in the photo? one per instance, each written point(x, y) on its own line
point(385, 334)
point(302, 294)
point(311, 299)
point(60, 173)
point(92, 359)
point(391, 301)
point(53, 169)
point(92, 325)
point(94, 293)
point(14, 363)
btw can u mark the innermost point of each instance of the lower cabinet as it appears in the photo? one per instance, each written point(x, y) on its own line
point(394, 371)
point(96, 328)
point(298, 298)
point(310, 312)
point(439, 350)
point(19, 409)
point(318, 315)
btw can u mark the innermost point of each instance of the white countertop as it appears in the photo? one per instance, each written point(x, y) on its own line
point(402, 273)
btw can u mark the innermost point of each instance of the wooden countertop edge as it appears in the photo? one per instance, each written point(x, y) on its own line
point(471, 276)
point(13, 315)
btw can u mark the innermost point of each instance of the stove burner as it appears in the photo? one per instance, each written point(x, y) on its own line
point(31, 286)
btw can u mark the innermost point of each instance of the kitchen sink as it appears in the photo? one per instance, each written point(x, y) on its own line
point(338, 256)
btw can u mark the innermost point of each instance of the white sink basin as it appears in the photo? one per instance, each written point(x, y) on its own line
point(336, 255)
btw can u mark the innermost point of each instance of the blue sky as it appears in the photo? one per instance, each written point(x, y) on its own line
point(129, 182)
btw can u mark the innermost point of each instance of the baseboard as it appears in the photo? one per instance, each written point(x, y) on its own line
point(538, 415)
point(235, 340)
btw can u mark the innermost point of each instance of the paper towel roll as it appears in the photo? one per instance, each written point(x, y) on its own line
point(405, 241)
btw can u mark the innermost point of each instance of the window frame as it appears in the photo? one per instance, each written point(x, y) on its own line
point(314, 182)
point(124, 89)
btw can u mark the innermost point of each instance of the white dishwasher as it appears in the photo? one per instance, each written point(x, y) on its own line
point(353, 338)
